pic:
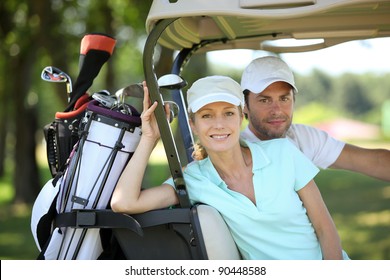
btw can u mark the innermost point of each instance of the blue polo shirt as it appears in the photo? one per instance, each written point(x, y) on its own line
point(277, 227)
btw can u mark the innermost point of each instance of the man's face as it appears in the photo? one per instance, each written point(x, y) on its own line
point(270, 112)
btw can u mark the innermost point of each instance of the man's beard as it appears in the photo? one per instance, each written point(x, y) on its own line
point(265, 133)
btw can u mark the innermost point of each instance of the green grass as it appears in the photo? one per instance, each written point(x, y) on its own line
point(358, 204)
point(360, 207)
point(16, 240)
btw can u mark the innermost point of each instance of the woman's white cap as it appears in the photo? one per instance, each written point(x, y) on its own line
point(264, 71)
point(214, 89)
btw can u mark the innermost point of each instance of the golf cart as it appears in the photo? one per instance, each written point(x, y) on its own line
point(189, 27)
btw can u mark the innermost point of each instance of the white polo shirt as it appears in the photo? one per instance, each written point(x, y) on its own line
point(322, 149)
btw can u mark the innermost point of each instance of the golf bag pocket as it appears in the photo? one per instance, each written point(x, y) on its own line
point(107, 141)
point(62, 134)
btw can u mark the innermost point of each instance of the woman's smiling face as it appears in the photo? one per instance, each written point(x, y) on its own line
point(217, 126)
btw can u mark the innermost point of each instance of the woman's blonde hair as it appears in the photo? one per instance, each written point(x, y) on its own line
point(199, 152)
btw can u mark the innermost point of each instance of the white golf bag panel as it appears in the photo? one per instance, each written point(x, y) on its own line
point(74, 243)
point(41, 209)
point(98, 163)
point(106, 144)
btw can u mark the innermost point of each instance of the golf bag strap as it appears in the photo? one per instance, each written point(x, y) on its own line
point(97, 219)
point(163, 216)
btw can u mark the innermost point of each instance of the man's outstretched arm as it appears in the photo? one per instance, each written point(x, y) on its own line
point(371, 162)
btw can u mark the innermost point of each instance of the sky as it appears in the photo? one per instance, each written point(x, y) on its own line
point(371, 55)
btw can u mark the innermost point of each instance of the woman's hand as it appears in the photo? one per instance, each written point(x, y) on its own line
point(149, 124)
point(127, 196)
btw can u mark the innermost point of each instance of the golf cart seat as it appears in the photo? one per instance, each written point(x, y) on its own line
point(195, 233)
point(216, 235)
point(183, 233)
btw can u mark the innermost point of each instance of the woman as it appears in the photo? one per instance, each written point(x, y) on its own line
point(270, 202)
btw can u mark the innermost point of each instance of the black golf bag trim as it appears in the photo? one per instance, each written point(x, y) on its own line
point(97, 218)
point(62, 134)
point(45, 224)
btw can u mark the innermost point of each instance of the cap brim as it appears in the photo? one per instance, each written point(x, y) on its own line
point(259, 87)
point(211, 98)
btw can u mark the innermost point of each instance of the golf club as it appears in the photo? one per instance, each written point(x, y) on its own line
point(95, 50)
point(104, 98)
point(131, 95)
point(56, 75)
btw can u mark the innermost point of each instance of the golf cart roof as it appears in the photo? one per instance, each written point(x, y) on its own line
point(260, 24)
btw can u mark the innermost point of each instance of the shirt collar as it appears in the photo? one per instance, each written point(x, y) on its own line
point(259, 158)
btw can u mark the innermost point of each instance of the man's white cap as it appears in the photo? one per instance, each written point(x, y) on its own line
point(214, 89)
point(263, 71)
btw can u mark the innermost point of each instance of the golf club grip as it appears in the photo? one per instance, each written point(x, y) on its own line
point(95, 50)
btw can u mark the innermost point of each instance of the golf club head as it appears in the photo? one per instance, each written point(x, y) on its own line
point(131, 95)
point(171, 81)
point(56, 75)
point(105, 99)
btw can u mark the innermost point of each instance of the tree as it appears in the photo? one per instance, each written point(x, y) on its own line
point(37, 33)
point(5, 28)
point(316, 87)
point(19, 70)
point(355, 98)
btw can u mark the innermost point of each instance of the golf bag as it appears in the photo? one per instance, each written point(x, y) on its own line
point(108, 139)
point(87, 148)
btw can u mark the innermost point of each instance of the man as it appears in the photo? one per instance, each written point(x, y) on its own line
point(269, 90)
